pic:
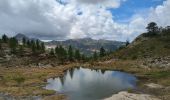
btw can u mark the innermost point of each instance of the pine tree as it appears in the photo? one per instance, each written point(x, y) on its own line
point(13, 43)
point(95, 56)
point(70, 53)
point(1, 50)
point(52, 52)
point(32, 43)
point(37, 44)
point(42, 47)
point(62, 54)
point(102, 52)
point(77, 54)
point(28, 43)
point(127, 42)
point(5, 38)
point(152, 28)
point(33, 46)
point(57, 51)
point(24, 41)
point(0, 44)
point(83, 57)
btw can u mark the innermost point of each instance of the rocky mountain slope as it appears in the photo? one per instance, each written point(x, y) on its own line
point(88, 45)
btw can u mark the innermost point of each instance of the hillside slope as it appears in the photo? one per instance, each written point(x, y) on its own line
point(146, 47)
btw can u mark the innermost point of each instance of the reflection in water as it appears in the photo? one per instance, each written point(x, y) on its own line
point(87, 84)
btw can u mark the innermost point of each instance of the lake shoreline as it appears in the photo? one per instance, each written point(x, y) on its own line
point(42, 74)
point(144, 74)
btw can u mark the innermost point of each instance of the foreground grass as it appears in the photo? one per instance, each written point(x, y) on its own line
point(29, 81)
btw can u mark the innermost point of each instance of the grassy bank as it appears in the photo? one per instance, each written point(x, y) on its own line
point(29, 81)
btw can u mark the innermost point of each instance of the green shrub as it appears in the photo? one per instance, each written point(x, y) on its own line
point(134, 57)
point(19, 79)
point(167, 46)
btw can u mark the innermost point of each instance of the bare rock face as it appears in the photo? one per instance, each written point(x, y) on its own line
point(130, 96)
point(153, 85)
point(160, 62)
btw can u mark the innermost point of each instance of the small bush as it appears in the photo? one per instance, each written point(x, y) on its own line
point(152, 47)
point(19, 79)
point(167, 46)
point(134, 57)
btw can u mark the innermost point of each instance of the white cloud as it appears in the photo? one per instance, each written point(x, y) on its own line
point(106, 3)
point(48, 19)
point(159, 14)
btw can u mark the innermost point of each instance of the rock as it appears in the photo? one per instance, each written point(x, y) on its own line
point(160, 62)
point(167, 88)
point(130, 96)
point(153, 85)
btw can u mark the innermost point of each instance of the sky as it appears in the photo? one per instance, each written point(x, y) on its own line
point(119, 20)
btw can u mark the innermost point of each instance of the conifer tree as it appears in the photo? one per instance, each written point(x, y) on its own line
point(102, 52)
point(13, 43)
point(62, 54)
point(5, 38)
point(33, 46)
point(95, 56)
point(32, 43)
point(83, 57)
point(77, 54)
point(70, 53)
point(24, 41)
point(127, 42)
point(57, 51)
point(37, 44)
point(52, 52)
point(28, 43)
point(152, 28)
point(42, 47)
point(1, 50)
point(0, 44)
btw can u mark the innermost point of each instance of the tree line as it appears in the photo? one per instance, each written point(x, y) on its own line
point(37, 47)
point(18, 48)
point(65, 54)
point(153, 29)
point(72, 54)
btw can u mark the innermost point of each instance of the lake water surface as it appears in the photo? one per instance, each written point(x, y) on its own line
point(87, 84)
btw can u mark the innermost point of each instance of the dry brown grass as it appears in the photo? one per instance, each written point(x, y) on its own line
point(27, 81)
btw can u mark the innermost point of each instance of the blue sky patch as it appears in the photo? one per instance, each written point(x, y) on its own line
point(130, 7)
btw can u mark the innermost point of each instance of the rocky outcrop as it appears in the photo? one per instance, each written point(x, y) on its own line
point(162, 62)
point(153, 85)
point(130, 96)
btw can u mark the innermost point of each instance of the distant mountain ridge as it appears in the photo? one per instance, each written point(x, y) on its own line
point(85, 45)
point(20, 37)
point(88, 45)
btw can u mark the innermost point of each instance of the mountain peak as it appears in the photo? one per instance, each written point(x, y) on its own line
point(20, 36)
